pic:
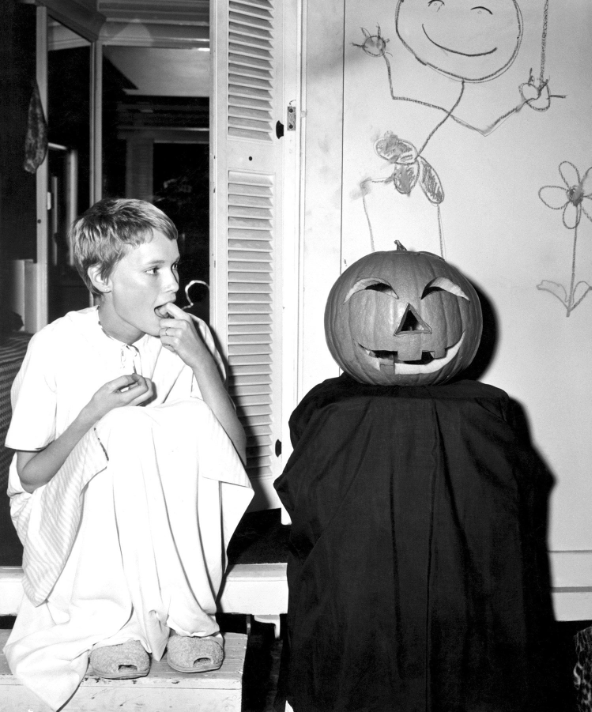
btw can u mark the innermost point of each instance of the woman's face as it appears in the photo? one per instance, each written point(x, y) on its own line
point(474, 40)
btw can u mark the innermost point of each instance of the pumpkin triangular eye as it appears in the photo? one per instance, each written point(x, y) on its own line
point(371, 283)
point(446, 285)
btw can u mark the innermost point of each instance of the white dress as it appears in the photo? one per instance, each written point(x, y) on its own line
point(128, 540)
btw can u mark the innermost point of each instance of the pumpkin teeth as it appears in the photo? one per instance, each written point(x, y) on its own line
point(436, 364)
point(391, 357)
point(427, 364)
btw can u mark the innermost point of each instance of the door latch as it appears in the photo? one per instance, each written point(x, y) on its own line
point(291, 119)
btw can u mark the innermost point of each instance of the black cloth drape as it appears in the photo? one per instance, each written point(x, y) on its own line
point(418, 570)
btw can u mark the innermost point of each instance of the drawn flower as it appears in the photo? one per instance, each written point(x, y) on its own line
point(570, 198)
point(409, 168)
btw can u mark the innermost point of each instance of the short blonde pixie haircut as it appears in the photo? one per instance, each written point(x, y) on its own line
point(109, 229)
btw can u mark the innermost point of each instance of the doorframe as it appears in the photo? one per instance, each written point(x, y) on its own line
point(39, 285)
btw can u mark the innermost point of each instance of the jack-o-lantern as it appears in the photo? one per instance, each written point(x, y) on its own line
point(403, 318)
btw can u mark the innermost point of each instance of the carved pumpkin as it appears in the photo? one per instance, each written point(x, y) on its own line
point(402, 318)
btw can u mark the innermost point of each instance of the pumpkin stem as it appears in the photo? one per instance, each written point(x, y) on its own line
point(400, 246)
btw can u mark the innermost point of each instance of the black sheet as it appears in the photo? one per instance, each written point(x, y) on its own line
point(418, 570)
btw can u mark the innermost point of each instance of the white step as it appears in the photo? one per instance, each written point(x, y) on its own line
point(163, 690)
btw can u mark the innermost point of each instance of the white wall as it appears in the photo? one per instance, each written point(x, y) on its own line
point(495, 226)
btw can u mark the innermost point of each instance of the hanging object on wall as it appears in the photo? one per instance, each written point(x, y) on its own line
point(36, 137)
point(403, 318)
point(570, 199)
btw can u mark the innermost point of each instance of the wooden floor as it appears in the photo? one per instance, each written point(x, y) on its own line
point(163, 690)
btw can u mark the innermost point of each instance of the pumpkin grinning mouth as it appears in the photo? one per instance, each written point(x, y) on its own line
point(427, 364)
point(392, 356)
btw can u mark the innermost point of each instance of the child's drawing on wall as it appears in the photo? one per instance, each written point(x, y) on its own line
point(468, 44)
point(569, 198)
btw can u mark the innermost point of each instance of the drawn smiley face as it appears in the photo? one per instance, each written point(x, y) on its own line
point(472, 40)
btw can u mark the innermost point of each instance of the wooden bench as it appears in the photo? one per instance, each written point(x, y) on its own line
point(162, 690)
point(257, 590)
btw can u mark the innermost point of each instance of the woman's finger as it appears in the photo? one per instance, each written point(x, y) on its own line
point(122, 382)
point(178, 313)
point(141, 393)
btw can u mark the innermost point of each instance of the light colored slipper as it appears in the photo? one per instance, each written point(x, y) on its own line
point(191, 654)
point(120, 662)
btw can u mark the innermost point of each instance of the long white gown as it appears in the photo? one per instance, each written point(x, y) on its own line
point(128, 540)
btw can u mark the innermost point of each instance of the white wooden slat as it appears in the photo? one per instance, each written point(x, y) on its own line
point(245, 238)
point(253, 361)
point(247, 188)
point(251, 10)
point(257, 304)
point(242, 83)
point(248, 277)
point(237, 102)
point(249, 200)
point(249, 30)
point(245, 123)
point(258, 370)
point(257, 389)
point(249, 112)
point(260, 290)
point(249, 51)
point(245, 69)
point(252, 243)
point(251, 256)
point(253, 319)
point(256, 379)
point(254, 5)
point(238, 329)
point(250, 338)
point(243, 221)
point(263, 431)
point(246, 60)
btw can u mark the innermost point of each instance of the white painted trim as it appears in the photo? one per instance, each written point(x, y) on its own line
point(301, 114)
point(292, 220)
point(571, 569)
point(250, 589)
point(177, 12)
point(40, 311)
point(262, 589)
point(138, 34)
point(76, 16)
point(571, 574)
point(96, 122)
point(255, 589)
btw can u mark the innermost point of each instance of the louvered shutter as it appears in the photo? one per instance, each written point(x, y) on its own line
point(246, 221)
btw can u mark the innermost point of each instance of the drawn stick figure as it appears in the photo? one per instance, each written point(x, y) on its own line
point(467, 43)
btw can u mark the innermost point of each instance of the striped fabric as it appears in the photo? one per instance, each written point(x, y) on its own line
point(48, 521)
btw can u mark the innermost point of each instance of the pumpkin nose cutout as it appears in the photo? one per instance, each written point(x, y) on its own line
point(411, 323)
